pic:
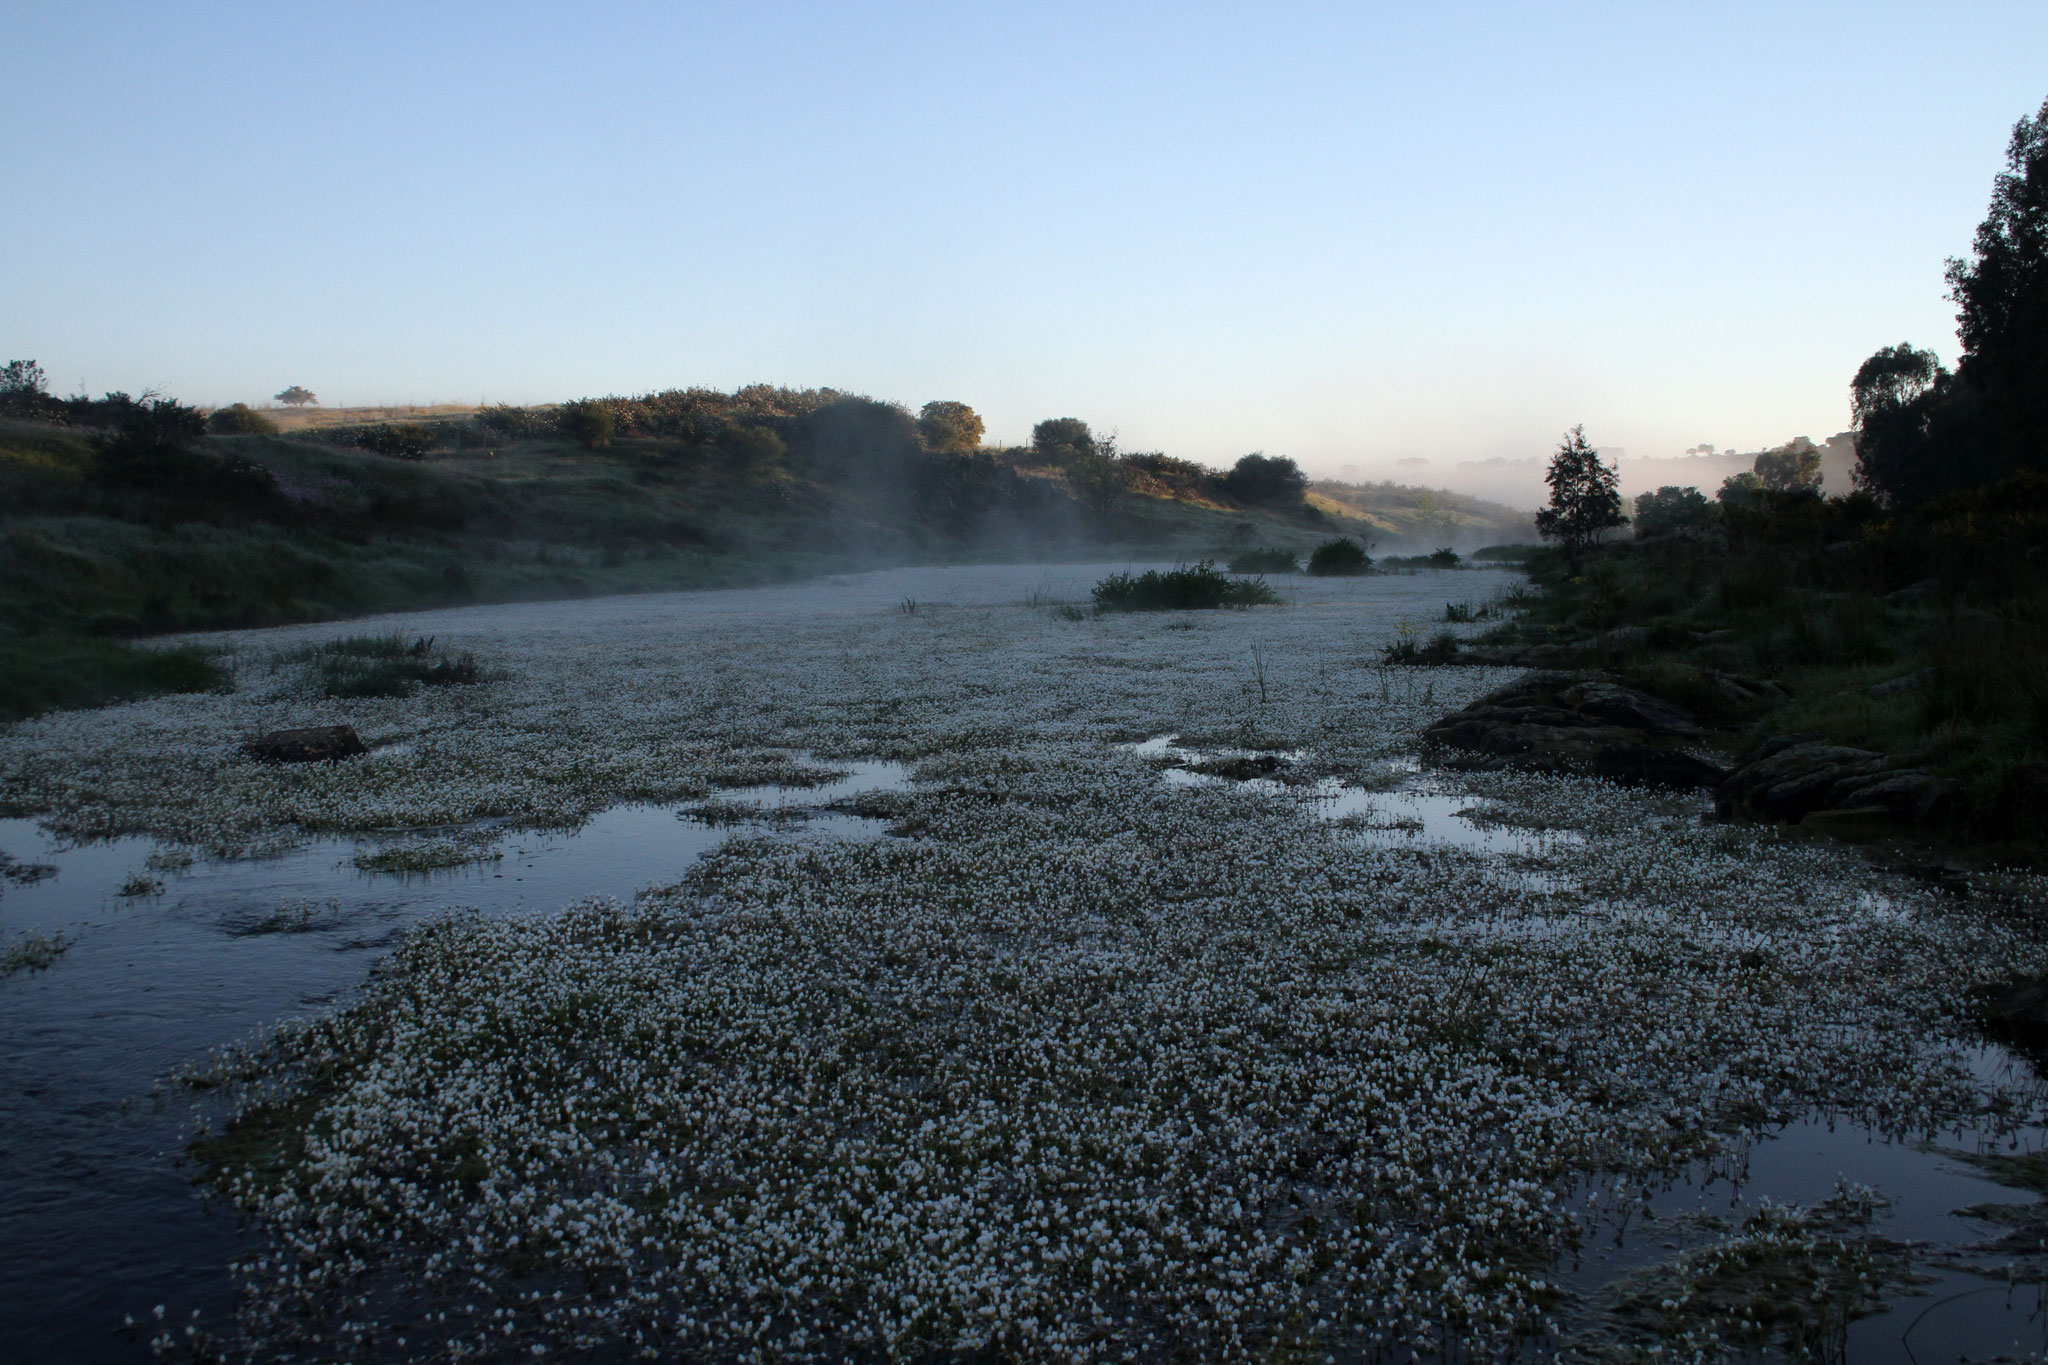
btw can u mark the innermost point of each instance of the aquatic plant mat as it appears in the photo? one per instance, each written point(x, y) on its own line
point(1083, 1060)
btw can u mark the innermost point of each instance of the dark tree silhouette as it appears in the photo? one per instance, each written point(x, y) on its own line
point(1671, 510)
point(296, 397)
point(1585, 498)
point(24, 378)
point(1274, 480)
point(2002, 297)
point(1791, 468)
point(1062, 438)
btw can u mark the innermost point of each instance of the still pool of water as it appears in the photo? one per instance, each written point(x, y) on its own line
point(101, 1218)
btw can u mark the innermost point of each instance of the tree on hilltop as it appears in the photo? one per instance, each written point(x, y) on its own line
point(1272, 480)
point(1585, 498)
point(1790, 468)
point(950, 426)
point(297, 397)
point(1062, 438)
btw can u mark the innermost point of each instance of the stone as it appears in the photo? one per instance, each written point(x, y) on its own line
point(311, 744)
point(1565, 723)
point(1912, 682)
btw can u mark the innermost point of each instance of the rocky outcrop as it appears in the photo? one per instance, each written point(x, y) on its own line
point(1565, 723)
point(1797, 778)
point(313, 744)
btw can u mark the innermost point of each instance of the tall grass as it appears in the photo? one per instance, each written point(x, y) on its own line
point(58, 672)
point(1187, 588)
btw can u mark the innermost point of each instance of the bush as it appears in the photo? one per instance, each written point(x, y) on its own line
point(1339, 558)
point(239, 419)
point(1672, 510)
point(590, 422)
point(1184, 589)
point(1445, 558)
point(1265, 560)
point(399, 440)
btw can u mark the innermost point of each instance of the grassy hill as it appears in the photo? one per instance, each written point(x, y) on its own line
point(109, 532)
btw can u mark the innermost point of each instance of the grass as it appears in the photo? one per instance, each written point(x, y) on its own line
point(33, 952)
point(1265, 560)
point(65, 672)
point(1190, 587)
point(1796, 626)
point(387, 666)
point(293, 917)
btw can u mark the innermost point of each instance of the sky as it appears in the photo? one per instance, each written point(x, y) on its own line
point(1348, 233)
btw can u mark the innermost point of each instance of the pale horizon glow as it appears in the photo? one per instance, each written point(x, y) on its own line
point(1349, 234)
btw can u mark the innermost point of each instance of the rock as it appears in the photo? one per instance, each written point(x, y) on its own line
point(1618, 705)
point(1562, 723)
point(1789, 780)
point(1792, 777)
point(1912, 682)
point(1914, 592)
point(313, 744)
point(1628, 637)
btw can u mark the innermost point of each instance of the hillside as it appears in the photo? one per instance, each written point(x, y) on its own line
point(123, 519)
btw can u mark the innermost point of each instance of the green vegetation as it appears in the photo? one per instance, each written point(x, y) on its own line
point(32, 952)
point(1265, 560)
point(386, 666)
point(1187, 588)
point(122, 517)
point(1339, 558)
point(41, 673)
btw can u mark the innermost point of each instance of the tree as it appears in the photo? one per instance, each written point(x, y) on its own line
point(1062, 438)
point(296, 397)
point(1585, 498)
point(1741, 490)
point(2002, 296)
point(1671, 511)
point(946, 425)
point(1893, 377)
point(1273, 480)
point(1791, 468)
point(23, 379)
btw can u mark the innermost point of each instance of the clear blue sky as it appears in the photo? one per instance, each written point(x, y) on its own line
point(1348, 233)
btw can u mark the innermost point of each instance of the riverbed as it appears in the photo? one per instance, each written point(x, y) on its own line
point(912, 882)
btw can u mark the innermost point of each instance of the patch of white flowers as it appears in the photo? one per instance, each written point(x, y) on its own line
point(1083, 1066)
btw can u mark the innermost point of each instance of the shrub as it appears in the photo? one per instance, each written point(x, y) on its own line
point(1339, 558)
point(399, 440)
point(1185, 588)
point(1265, 560)
point(590, 422)
point(239, 419)
point(1672, 510)
point(950, 426)
point(1444, 558)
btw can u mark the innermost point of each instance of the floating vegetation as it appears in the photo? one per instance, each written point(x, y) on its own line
point(32, 952)
point(1099, 1063)
point(293, 917)
point(423, 855)
point(1786, 1285)
point(23, 874)
point(140, 884)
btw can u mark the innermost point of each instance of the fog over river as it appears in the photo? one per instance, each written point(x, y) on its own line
point(868, 967)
